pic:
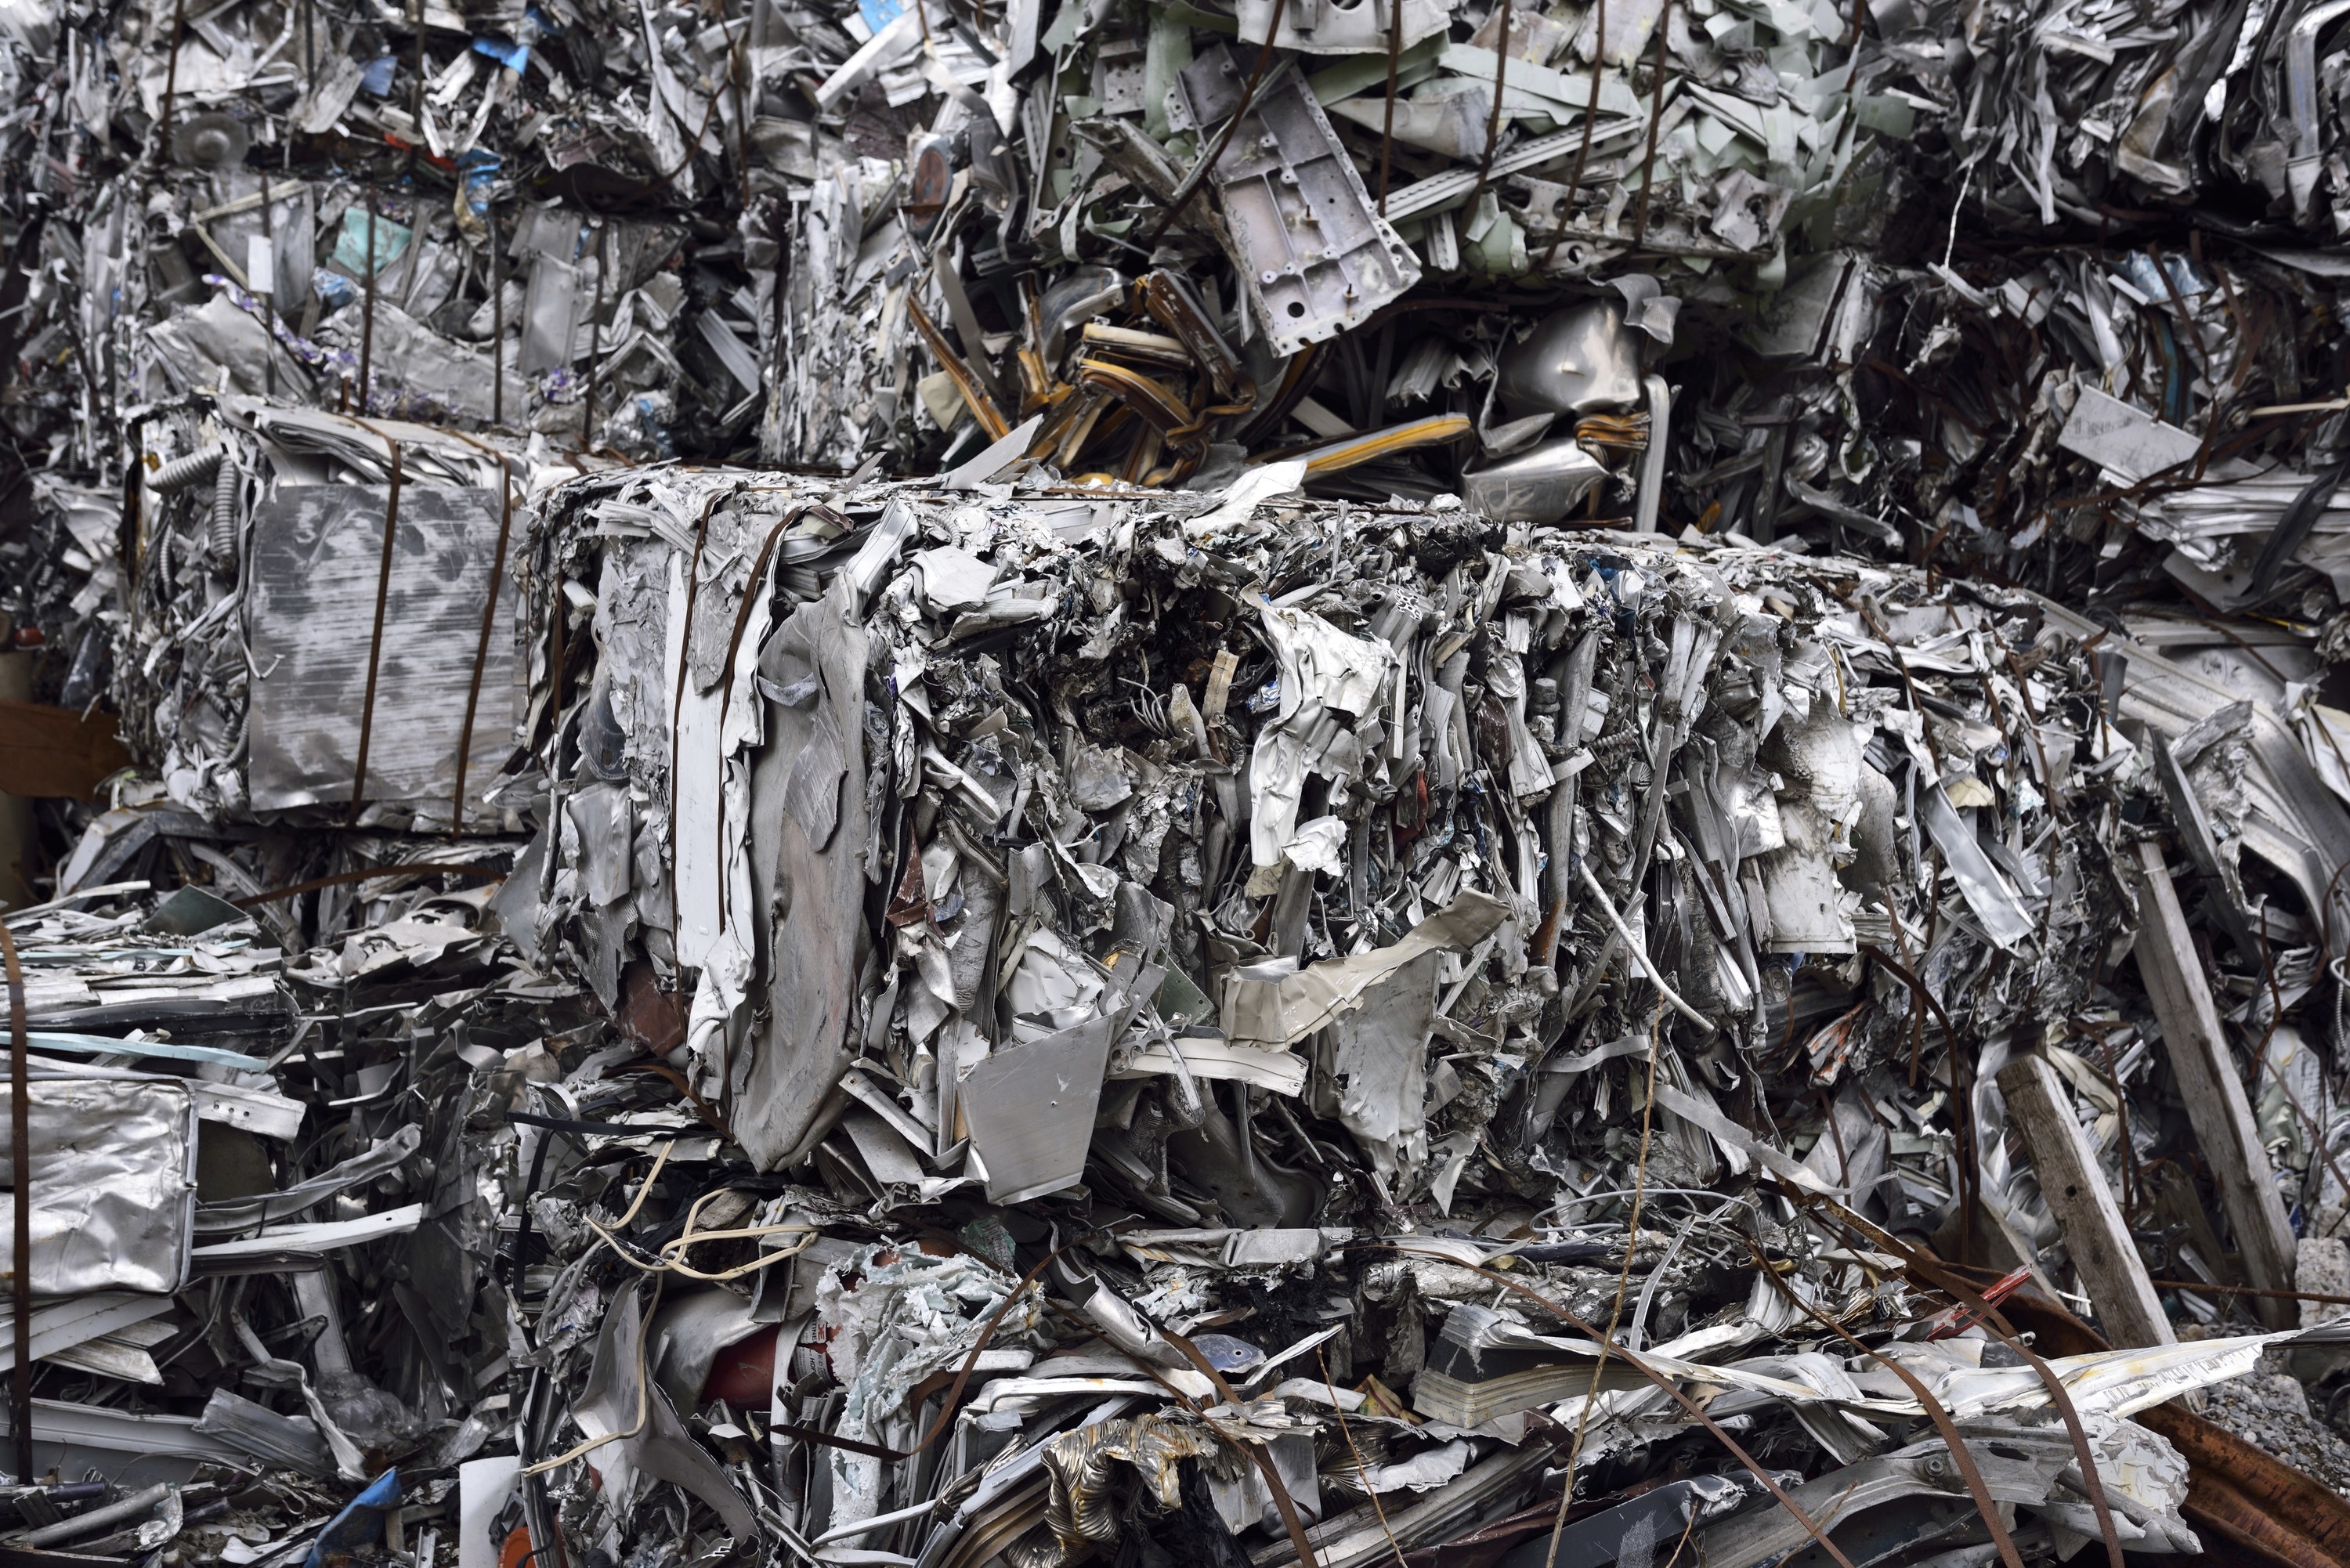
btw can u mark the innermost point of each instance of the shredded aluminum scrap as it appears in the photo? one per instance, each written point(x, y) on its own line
point(1506, 787)
point(1022, 1021)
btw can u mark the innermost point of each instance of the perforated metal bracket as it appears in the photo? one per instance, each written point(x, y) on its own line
point(1320, 258)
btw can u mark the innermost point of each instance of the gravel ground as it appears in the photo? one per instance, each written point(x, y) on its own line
point(2269, 1409)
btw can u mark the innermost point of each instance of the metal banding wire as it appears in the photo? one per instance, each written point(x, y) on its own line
point(1387, 121)
point(489, 621)
point(1206, 167)
point(1656, 112)
point(1492, 121)
point(375, 639)
point(1590, 119)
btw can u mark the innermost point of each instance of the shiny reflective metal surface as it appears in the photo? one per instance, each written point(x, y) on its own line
point(1540, 485)
point(114, 1184)
point(1577, 361)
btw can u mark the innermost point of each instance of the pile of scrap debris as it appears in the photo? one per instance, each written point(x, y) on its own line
point(918, 786)
point(731, 1015)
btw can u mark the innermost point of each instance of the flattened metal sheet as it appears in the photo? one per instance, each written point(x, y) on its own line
point(807, 873)
point(315, 556)
point(114, 1185)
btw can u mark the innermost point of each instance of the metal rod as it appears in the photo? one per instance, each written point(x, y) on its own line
point(595, 337)
point(1206, 166)
point(782, 280)
point(1656, 113)
point(554, 706)
point(172, 74)
point(1494, 120)
point(375, 640)
point(20, 1174)
point(416, 100)
point(481, 650)
point(2201, 1288)
point(97, 1518)
point(1590, 119)
point(1638, 955)
point(268, 295)
point(497, 319)
point(1387, 121)
point(367, 319)
point(739, 67)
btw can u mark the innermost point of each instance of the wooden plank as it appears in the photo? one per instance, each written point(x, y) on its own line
point(2217, 1107)
point(2111, 1273)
